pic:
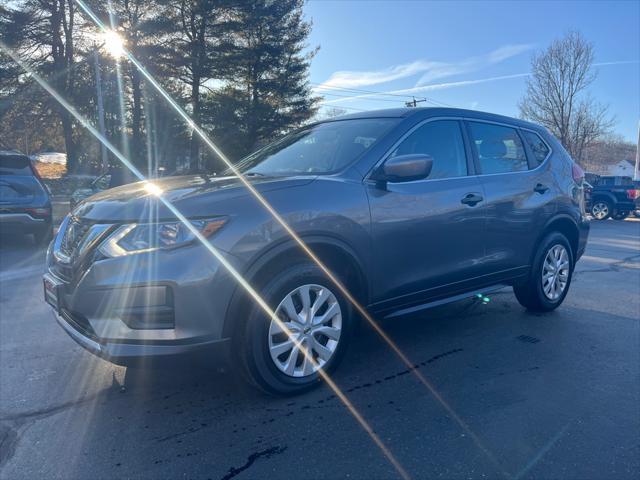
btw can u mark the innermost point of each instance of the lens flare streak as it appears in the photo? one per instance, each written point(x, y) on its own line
point(223, 261)
point(276, 216)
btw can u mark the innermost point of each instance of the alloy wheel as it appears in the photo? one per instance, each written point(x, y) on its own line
point(313, 316)
point(555, 272)
point(600, 210)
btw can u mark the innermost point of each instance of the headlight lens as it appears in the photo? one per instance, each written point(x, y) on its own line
point(147, 237)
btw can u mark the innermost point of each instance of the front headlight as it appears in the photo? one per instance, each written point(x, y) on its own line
point(147, 237)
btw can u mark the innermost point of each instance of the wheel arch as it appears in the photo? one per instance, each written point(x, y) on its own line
point(336, 254)
point(609, 197)
point(566, 225)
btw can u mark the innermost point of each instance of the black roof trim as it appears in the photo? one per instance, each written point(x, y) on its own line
point(425, 112)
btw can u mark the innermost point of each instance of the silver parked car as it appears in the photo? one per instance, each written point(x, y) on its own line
point(408, 208)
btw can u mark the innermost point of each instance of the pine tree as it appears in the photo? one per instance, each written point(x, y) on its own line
point(197, 31)
point(266, 92)
point(44, 34)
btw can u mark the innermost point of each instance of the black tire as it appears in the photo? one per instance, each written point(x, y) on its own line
point(530, 293)
point(598, 206)
point(251, 339)
point(44, 235)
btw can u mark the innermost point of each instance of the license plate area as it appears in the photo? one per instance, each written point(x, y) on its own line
point(52, 291)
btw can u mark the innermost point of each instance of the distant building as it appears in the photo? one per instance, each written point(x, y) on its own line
point(623, 168)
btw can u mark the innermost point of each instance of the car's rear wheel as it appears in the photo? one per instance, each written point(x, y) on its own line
point(601, 209)
point(548, 282)
point(319, 321)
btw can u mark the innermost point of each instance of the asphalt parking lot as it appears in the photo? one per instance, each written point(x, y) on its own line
point(540, 396)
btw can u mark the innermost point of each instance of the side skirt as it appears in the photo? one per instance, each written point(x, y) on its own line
point(444, 301)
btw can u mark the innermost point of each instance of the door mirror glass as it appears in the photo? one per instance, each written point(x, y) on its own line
point(406, 168)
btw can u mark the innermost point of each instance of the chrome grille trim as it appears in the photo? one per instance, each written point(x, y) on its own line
point(76, 237)
point(73, 235)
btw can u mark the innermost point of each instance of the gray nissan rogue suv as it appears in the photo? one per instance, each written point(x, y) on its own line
point(408, 208)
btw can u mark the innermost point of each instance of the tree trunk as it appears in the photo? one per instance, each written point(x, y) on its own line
point(194, 153)
point(67, 129)
point(136, 121)
point(62, 74)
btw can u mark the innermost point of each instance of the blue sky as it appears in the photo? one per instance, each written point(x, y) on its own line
point(468, 54)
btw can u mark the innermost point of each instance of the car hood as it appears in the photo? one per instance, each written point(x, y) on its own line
point(193, 195)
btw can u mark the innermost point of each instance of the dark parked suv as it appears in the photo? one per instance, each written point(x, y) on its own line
point(408, 208)
point(25, 205)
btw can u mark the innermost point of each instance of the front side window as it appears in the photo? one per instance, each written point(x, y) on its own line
point(442, 141)
point(499, 148)
point(537, 146)
point(319, 149)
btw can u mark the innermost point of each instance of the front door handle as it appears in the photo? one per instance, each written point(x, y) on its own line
point(471, 199)
point(540, 188)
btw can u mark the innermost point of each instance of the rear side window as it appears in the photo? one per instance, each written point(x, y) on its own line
point(537, 146)
point(15, 165)
point(607, 181)
point(442, 141)
point(499, 148)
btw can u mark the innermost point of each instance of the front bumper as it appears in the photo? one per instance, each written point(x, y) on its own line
point(99, 308)
point(127, 353)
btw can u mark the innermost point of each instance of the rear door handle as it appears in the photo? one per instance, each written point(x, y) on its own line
point(471, 199)
point(540, 188)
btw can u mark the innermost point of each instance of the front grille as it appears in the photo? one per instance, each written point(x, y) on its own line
point(74, 234)
point(74, 250)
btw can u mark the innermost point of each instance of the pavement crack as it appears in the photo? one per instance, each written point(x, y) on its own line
point(179, 434)
point(268, 453)
point(378, 381)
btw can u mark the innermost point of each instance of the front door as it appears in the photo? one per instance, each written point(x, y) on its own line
point(428, 233)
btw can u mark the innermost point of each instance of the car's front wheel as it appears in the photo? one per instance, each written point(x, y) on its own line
point(550, 275)
point(319, 323)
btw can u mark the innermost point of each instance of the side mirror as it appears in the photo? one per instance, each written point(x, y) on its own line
point(405, 168)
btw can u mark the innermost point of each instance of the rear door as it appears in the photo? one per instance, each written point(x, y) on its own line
point(519, 189)
point(427, 233)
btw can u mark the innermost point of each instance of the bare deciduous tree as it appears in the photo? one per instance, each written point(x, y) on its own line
point(332, 112)
point(557, 98)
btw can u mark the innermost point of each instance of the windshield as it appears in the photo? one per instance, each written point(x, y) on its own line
point(319, 149)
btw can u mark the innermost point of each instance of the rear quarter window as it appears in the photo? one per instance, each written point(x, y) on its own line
point(538, 148)
point(15, 165)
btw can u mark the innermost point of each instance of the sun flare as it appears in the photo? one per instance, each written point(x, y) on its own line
point(113, 43)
